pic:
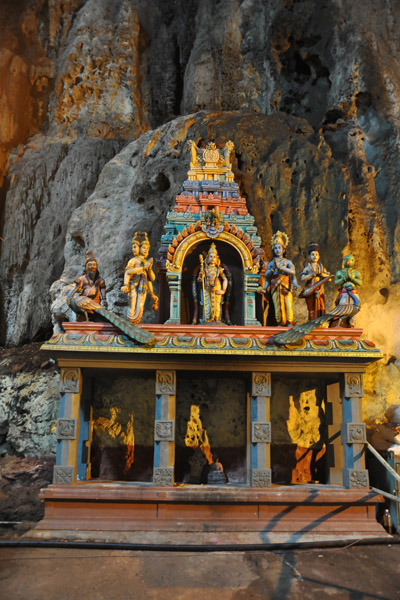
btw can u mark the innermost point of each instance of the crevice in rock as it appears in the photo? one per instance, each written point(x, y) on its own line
point(363, 102)
point(179, 70)
point(78, 240)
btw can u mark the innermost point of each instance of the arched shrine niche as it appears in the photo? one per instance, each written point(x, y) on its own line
point(232, 266)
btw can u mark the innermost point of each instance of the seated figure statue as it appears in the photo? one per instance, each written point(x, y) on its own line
point(348, 280)
point(88, 301)
point(138, 277)
point(347, 305)
point(212, 284)
point(90, 289)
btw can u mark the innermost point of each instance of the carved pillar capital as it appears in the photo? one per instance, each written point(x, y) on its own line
point(353, 385)
point(166, 383)
point(70, 380)
point(261, 384)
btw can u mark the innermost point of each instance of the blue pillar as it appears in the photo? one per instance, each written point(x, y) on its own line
point(260, 430)
point(353, 433)
point(164, 428)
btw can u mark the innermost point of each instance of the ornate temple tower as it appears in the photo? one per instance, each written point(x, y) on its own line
point(209, 209)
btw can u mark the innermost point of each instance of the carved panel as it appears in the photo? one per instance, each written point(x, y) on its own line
point(174, 281)
point(356, 479)
point(166, 382)
point(261, 478)
point(70, 380)
point(63, 475)
point(261, 432)
point(354, 433)
point(353, 385)
point(261, 384)
point(164, 431)
point(66, 429)
point(163, 476)
point(251, 283)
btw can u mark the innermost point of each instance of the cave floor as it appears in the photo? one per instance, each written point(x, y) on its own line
point(353, 572)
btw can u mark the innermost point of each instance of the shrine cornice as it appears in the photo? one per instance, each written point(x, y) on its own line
point(238, 342)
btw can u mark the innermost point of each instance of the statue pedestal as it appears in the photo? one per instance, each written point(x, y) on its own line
point(196, 515)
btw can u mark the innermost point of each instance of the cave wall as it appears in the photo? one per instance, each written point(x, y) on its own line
point(98, 98)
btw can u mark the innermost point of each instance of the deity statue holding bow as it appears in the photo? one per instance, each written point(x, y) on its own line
point(212, 283)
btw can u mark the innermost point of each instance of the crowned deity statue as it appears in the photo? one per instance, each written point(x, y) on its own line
point(139, 277)
point(314, 275)
point(279, 280)
point(212, 283)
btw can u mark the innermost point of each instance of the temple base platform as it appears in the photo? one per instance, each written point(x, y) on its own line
point(207, 515)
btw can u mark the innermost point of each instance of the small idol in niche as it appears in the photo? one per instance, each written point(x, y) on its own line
point(209, 288)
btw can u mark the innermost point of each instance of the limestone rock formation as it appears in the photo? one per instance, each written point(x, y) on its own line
point(29, 400)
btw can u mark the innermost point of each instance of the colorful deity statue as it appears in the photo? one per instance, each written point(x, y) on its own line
point(90, 289)
point(212, 283)
point(314, 275)
point(348, 304)
point(280, 280)
point(88, 301)
point(138, 277)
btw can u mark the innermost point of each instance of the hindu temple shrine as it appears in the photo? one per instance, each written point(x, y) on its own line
point(225, 421)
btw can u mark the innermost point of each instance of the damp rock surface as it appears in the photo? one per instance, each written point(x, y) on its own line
point(29, 401)
point(21, 480)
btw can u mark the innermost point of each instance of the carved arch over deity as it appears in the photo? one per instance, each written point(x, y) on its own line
point(187, 245)
point(237, 264)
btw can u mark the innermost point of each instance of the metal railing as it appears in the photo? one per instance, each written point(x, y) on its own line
point(388, 468)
